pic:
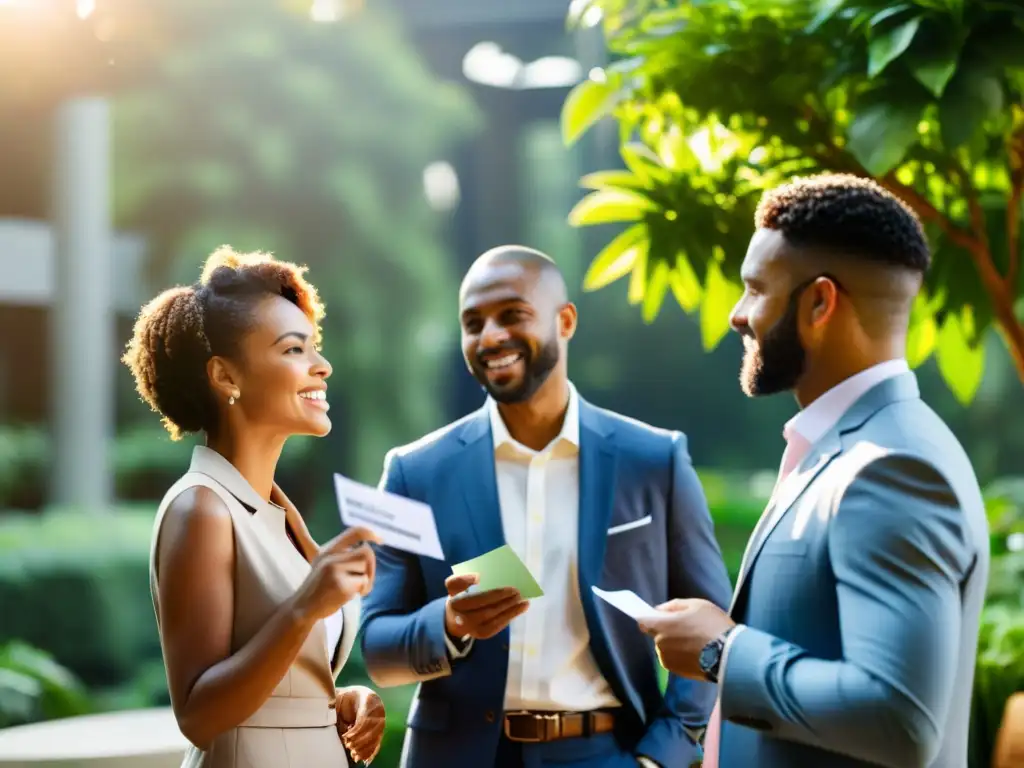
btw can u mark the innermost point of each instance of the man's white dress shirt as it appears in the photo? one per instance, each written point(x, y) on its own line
point(550, 667)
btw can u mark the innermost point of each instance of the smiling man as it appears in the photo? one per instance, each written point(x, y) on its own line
point(852, 634)
point(586, 498)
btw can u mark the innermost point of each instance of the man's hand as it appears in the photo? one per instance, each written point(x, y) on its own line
point(482, 615)
point(361, 721)
point(681, 629)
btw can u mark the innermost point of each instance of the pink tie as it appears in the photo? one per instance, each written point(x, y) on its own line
point(796, 449)
point(711, 740)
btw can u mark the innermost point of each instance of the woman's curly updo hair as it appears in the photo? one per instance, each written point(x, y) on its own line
point(178, 332)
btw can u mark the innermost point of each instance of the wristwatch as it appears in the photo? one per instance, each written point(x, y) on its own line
point(711, 656)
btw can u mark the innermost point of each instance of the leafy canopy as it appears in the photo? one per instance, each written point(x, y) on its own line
point(718, 101)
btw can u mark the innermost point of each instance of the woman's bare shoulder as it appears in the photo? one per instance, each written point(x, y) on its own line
point(196, 512)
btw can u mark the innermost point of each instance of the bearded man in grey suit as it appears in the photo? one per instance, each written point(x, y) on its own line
point(853, 629)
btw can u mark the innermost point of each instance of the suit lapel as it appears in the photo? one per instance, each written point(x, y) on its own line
point(349, 629)
point(481, 492)
point(897, 388)
point(598, 470)
point(785, 496)
point(597, 495)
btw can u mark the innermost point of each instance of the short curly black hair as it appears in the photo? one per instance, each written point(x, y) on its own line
point(178, 332)
point(846, 214)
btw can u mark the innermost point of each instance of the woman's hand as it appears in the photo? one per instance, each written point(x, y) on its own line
point(343, 569)
point(361, 721)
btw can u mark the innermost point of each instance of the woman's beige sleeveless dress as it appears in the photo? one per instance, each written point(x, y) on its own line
point(295, 727)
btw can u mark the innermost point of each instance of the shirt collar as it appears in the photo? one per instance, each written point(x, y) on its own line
point(570, 427)
point(814, 421)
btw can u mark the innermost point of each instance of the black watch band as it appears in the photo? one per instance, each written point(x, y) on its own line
point(710, 659)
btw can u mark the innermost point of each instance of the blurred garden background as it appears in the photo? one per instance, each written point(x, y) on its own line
point(386, 144)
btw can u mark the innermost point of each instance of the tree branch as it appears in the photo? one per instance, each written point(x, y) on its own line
point(1016, 157)
point(974, 242)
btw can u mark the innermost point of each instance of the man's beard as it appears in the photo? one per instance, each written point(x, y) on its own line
point(777, 363)
point(536, 371)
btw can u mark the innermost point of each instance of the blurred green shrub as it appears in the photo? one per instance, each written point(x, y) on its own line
point(145, 463)
point(1000, 669)
point(34, 687)
point(24, 459)
point(999, 674)
point(77, 585)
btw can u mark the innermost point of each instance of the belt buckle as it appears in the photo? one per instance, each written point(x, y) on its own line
point(541, 721)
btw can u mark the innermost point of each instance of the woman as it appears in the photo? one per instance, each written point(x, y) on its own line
point(255, 619)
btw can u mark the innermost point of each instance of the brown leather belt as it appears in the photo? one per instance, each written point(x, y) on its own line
point(535, 727)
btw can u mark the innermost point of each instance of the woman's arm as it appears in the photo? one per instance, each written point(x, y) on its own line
point(212, 690)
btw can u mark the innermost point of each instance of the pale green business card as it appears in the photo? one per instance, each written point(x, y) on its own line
point(498, 569)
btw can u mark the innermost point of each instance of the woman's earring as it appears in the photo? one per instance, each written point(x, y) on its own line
point(231, 400)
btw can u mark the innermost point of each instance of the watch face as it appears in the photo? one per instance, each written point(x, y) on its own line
point(708, 657)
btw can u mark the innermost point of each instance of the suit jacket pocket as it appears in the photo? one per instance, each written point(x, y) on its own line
point(630, 525)
point(429, 714)
point(785, 548)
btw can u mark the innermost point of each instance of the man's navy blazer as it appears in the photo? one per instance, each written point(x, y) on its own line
point(644, 525)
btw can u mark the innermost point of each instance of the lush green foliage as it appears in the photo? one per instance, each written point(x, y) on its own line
point(1000, 668)
point(719, 101)
point(145, 463)
point(267, 131)
point(34, 687)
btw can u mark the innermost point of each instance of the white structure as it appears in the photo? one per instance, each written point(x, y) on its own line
point(28, 263)
point(145, 738)
point(85, 277)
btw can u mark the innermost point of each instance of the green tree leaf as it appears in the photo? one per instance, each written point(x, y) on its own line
point(616, 259)
point(586, 103)
point(607, 206)
point(638, 277)
point(826, 10)
point(654, 295)
point(934, 62)
point(720, 296)
point(884, 130)
point(889, 13)
point(675, 151)
point(643, 162)
point(961, 364)
point(885, 47)
point(1003, 47)
point(923, 333)
point(973, 95)
point(609, 179)
point(685, 284)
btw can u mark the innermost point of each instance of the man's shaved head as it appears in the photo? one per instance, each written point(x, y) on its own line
point(530, 261)
point(516, 320)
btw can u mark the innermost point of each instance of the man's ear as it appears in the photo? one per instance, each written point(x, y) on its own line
point(825, 299)
point(567, 321)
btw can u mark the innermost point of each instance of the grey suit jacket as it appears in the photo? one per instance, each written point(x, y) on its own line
point(862, 601)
